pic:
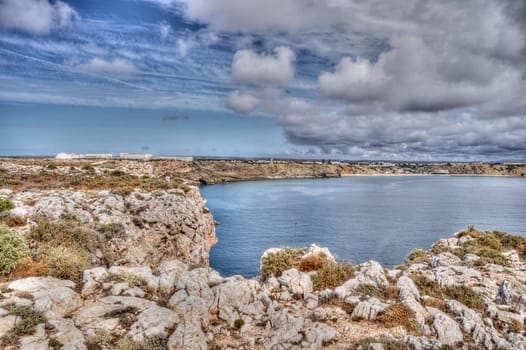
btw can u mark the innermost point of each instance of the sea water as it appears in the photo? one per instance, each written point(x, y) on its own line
point(358, 218)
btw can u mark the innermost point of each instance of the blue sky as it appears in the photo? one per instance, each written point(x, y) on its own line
point(342, 78)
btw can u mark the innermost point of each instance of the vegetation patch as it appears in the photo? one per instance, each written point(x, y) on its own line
point(383, 293)
point(312, 262)
point(398, 314)
point(463, 294)
point(332, 275)
point(5, 205)
point(102, 339)
point(489, 245)
point(417, 255)
point(387, 343)
point(28, 319)
point(151, 343)
point(13, 248)
point(274, 264)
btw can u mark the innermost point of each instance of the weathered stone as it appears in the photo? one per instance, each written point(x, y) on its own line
point(368, 309)
point(153, 321)
point(187, 336)
point(505, 296)
point(448, 331)
point(57, 302)
point(445, 259)
point(297, 283)
point(35, 284)
point(67, 334)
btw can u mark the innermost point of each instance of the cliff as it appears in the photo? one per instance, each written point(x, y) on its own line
point(116, 257)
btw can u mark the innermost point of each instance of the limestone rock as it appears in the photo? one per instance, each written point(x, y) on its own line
point(57, 302)
point(35, 284)
point(297, 283)
point(445, 259)
point(368, 309)
point(187, 336)
point(505, 296)
point(448, 331)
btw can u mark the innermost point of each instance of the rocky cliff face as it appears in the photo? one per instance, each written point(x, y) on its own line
point(157, 226)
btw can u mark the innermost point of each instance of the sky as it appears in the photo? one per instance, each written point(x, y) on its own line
point(353, 79)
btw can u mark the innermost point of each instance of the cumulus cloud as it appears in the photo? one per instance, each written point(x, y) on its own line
point(242, 102)
point(414, 77)
point(248, 67)
point(117, 67)
point(183, 46)
point(35, 16)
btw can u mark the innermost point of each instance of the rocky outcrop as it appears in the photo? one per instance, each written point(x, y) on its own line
point(157, 226)
point(185, 307)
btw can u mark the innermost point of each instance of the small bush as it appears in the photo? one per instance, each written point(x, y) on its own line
point(388, 343)
point(13, 247)
point(416, 254)
point(112, 230)
point(100, 340)
point(29, 318)
point(398, 314)
point(14, 221)
point(239, 323)
point(463, 294)
point(273, 264)
point(150, 343)
point(331, 275)
point(312, 263)
point(5, 205)
point(66, 262)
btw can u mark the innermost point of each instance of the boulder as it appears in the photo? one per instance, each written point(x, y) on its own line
point(448, 331)
point(368, 309)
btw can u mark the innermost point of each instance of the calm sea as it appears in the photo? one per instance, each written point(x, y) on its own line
point(358, 218)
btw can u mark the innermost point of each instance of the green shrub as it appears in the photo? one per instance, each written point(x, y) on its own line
point(13, 247)
point(273, 264)
point(415, 254)
point(331, 275)
point(112, 230)
point(6, 204)
point(239, 323)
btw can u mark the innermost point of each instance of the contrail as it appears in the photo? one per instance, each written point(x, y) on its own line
point(74, 70)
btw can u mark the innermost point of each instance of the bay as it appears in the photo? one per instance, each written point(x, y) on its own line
point(358, 218)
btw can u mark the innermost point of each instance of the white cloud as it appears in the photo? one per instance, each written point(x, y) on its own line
point(35, 16)
point(116, 67)
point(251, 68)
point(413, 76)
point(183, 46)
point(165, 30)
point(242, 102)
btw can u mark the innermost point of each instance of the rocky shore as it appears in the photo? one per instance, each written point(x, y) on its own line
point(123, 264)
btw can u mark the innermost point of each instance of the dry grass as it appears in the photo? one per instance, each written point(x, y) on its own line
point(27, 267)
point(387, 343)
point(463, 294)
point(14, 221)
point(398, 314)
point(489, 245)
point(312, 263)
point(332, 275)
